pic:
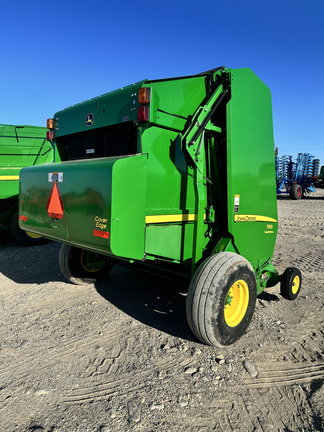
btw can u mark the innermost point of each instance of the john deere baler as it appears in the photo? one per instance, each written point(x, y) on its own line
point(177, 175)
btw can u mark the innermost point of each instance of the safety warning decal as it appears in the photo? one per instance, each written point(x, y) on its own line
point(55, 207)
point(236, 203)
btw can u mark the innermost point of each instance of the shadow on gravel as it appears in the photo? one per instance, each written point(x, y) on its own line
point(314, 198)
point(152, 300)
point(283, 197)
point(286, 197)
point(268, 296)
point(30, 264)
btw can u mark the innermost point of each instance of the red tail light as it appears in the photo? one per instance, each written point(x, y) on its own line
point(143, 113)
point(49, 135)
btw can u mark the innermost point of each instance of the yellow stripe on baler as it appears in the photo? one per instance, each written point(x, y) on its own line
point(9, 177)
point(170, 218)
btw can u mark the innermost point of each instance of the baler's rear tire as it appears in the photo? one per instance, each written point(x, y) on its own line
point(221, 299)
point(22, 237)
point(296, 192)
point(290, 283)
point(82, 267)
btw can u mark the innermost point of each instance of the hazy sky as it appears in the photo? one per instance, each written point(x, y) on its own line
point(55, 54)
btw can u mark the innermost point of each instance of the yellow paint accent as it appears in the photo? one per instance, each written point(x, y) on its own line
point(295, 284)
point(252, 218)
point(171, 218)
point(235, 309)
point(33, 235)
point(8, 177)
point(84, 266)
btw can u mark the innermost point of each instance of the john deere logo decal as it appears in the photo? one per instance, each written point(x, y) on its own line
point(89, 119)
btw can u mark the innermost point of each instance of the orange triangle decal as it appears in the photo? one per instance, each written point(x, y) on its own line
point(55, 207)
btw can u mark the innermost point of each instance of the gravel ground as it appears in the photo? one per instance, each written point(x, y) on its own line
point(119, 356)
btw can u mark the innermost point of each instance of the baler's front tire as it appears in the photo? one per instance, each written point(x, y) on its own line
point(290, 283)
point(82, 267)
point(296, 192)
point(221, 299)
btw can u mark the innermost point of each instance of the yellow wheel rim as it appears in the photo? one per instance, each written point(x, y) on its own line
point(295, 284)
point(33, 235)
point(236, 303)
point(86, 267)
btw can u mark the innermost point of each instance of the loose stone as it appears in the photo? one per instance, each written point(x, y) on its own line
point(216, 380)
point(41, 392)
point(165, 347)
point(183, 402)
point(190, 370)
point(112, 412)
point(133, 412)
point(250, 368)
point(220, 359)
point(157, 406)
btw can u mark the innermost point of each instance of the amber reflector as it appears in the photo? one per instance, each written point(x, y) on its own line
point(144, 95)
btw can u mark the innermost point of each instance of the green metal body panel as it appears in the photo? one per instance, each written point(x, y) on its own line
point(321, 174)
point(172, 241)
point(199, 178)
point(111, 108)
point(20, 146)
point(172, 102)
point(251, 170)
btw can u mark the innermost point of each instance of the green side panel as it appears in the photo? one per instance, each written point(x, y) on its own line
point(21, 146)
point(170, 241)
point(166, 167)
point(173, 101)
point(251, 167)
point(85, 193)
point(111, 108)
point(91, 204)
point(128, 207)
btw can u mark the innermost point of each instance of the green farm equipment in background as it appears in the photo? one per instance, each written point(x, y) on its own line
point(176, 176)
point(319, 180)
point(20, 146)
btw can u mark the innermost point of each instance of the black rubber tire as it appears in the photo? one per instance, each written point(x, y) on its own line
point(207, 297)
point(296, 192)
point(22, 237)
point(74, 270)
point(288, 288)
